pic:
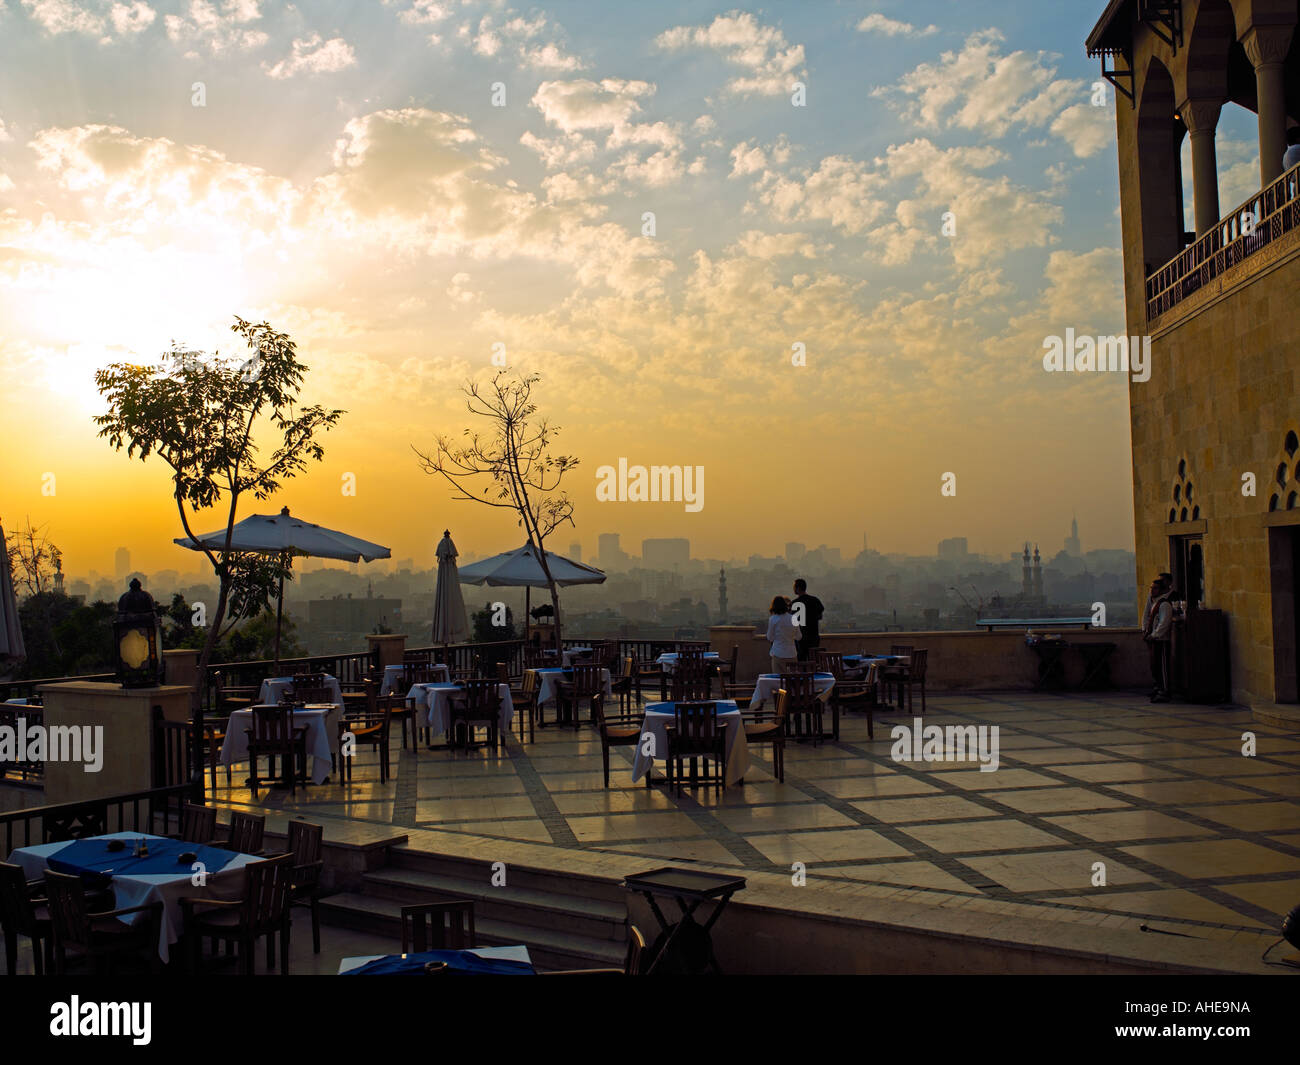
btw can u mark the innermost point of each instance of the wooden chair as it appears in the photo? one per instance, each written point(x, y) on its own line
point(535, 657)
point(247, 834)
point(692, 678)
point(524, 700)
point(198, 824)
point(911, 674)
point(726, 669)
point(697, 735)
point(438, 926)
point(371, 729)
point(75, 822)
point(859, 695)
point(830, 662)
point(273, 734)
point(214, 736)
point(631, 960)
point(801, 667)
point(478, 707)
point(305, 842)
point(764, 729)
point(100, 938)
point(803, 707)
point(742, 695)
point(309, 679)
point(24, 911)
point(889, 675)
point(622, 730)
point(418, 657)
point(400, 711)
point(263, 911)
point(312, 695)
point(232, 697)
point(586, 683)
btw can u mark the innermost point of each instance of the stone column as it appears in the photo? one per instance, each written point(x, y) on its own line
point(1266, 48)
point(1201, 117)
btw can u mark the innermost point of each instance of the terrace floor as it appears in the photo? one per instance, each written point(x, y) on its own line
point(1193, 834)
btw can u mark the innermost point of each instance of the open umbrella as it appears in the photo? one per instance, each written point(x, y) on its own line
point(523, 568)
point(286, 536)
point(449, 624)
point(11, 633)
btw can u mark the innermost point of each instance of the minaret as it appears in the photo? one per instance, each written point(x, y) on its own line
point(1026, 581)
point(1038, 578)
point(722, 596)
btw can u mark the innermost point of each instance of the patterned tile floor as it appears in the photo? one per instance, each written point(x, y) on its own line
point(1190, 831)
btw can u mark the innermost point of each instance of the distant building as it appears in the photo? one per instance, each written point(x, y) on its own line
point(346, 614)
point(1072, 541)
point(609, 553)
point(666, 554)
point(722, 596)
point(954, 549)
point(795, 552)
point(121, 562)
point(575, 552)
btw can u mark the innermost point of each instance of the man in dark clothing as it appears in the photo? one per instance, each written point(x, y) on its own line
point(809, 625)
point(1157, 631)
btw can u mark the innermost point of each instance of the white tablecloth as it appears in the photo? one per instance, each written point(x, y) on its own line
point(322, 738)
point(519, 953)
point(393, 673)
point(669, 660)
point(273, 687)
point(128, 891)
point(547, 679)
point(433, 705)
point(770, 683)
point(658, 716)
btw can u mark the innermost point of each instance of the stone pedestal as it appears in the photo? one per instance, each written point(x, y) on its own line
point(181, 667)
point(125, 746)
point(389, 647)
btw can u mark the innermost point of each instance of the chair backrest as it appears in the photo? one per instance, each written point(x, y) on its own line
point(782, 705)
point(901, 649)
point(530, 682)
point(503, 673)
point(76, 822)
point(482, 696)
point(534, 657)
point(438, 926)
point(419, 673)
point(273, 724)
point(800, 688)
point(801, 667)
point(917, 667)
point(697, 727)
point(318, 693)
point(735, 659)
point(68, 913)
point(587, 679)
point(305, 841)
point(198, 823)
point(247, 832)
point(308, 680)
point(16, 912)
point(831, 662)
point(417, 657)
point(635, 945)
point(598, 711)
point(685, 651)
point(269, 884)
point(692, 678)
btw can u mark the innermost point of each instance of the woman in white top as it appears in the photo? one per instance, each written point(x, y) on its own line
point(782, 633)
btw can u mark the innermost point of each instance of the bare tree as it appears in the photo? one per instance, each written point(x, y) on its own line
point(514, 457)
point(33, 560)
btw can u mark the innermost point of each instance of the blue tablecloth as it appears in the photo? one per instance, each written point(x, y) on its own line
point(93, 859)
point(458, 961)
point(670, 707)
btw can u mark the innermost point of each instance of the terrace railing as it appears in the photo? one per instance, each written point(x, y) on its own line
point(151, 811)
point(25, 770)
point(1257, 223)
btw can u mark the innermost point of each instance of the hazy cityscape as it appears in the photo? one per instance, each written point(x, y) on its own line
point(664, 592)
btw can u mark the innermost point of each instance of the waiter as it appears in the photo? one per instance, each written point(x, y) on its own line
point(810, 622)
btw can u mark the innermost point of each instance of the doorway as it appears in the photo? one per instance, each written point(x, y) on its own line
point(1284, 566)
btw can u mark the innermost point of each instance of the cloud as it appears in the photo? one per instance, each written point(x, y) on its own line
point(770, 63)
point(219, 26)
point(578, 106)
point(841, 191)
point(91, 18)
point(311, 55)
point(424, 12)
point(982, 90)
point(878, 23)
point(492, 36)
point(760, 245)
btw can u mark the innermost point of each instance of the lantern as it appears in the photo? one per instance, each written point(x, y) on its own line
point(137, 637)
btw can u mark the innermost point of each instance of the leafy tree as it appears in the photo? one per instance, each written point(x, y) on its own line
point(486, 632)
point(203, 417)
point(514, 458)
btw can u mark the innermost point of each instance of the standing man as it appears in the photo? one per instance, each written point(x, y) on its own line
point(809, 624)
point(1157, 631)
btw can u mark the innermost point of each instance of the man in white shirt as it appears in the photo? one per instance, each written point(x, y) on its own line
point(1157, 631)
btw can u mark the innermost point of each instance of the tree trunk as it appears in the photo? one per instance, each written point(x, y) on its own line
point(196, 696)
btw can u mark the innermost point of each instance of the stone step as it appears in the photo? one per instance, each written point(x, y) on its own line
point(474, 870)
point(522, 906)
point(548, 948)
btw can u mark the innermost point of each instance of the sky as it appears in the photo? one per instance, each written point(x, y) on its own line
point(813, 248)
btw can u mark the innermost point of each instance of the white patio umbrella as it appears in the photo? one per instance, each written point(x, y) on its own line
point(284, 535)
point(523, 568)
point(11, 633)
point(449, 624)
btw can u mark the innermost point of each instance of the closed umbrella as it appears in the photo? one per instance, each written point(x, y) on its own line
point(449, 624)
point(284, 535)
point(523, 568)
point(11, 633)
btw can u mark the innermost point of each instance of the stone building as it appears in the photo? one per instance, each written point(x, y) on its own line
point(1216, 454)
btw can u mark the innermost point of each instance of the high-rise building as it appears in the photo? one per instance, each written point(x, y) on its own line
point(608, 551)
point(954, 549)
point(1072, 541)
point(1213, 419)
point(666, 554)
point(795, 552)
point(121, 563)
point(575, 552)
point(722, 596)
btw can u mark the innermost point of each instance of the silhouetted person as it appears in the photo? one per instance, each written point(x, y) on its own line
point(812, 616)
point(1157, 631)
point(782, 634)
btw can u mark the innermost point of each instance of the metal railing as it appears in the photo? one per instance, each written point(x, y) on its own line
point(20, 719)
point(26, 689)
point(346, 668)
point(1255, 224)
point(142, 811)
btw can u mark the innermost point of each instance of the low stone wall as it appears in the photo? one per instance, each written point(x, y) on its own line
point(960, 661)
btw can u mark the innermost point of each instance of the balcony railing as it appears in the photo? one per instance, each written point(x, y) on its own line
point(1254, 225)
